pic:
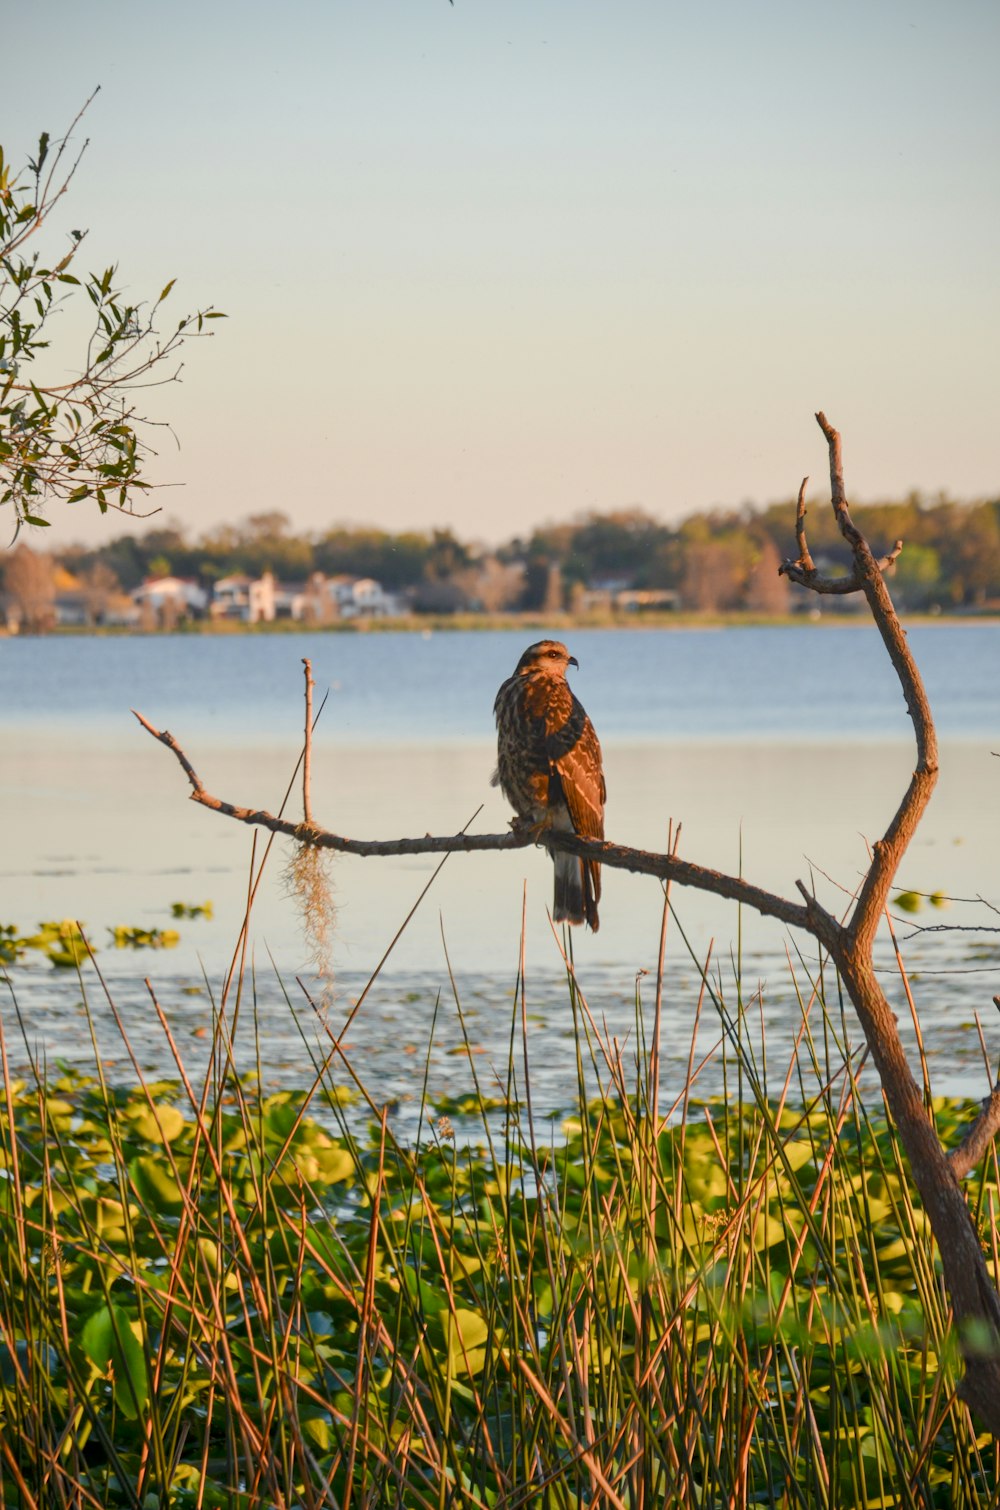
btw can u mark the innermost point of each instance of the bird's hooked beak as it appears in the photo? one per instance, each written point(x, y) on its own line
point(573, 662)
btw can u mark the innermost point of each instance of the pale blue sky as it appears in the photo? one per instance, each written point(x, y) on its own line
point(503, 262)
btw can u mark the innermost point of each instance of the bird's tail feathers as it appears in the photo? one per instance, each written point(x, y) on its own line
point(577, 890)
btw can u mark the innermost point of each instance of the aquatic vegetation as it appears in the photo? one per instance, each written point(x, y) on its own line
point(913, 901)
point(216, 1295)
point(66, 945)
point(192, 910)
point(61, 943)
point(145, 938)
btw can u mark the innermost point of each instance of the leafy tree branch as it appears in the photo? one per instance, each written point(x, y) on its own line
point(88, 437)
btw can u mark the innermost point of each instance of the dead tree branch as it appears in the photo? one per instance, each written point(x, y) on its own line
point(307, 817)
point(974, 1298)
point(977, 1140)
point(810, 916)
point(803, 570)
point(936, 1173)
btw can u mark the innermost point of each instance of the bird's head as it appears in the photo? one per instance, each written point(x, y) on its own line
point(548, 657)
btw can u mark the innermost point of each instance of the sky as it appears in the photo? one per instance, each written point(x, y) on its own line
point(494, 264)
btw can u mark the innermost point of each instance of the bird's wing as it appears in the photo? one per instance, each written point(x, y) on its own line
point(575, 752)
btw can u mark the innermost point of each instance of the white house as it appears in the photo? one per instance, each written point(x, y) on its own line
point(345, 597)
point(361, 598)
point(177, 597)
point(290, 600)
point(248, 599)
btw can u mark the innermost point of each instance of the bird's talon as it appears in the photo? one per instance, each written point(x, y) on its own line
point(522, 825)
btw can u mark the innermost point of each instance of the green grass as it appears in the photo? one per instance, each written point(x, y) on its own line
point(215, 1296)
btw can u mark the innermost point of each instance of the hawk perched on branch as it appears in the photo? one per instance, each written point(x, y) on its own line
point(549, 769)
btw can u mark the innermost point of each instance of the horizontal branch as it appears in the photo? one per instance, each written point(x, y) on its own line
point(809, 915)
point(832, 586)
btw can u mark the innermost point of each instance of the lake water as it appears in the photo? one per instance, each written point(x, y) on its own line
point(780, 750)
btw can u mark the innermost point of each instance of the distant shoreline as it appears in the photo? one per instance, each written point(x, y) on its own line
point(456, 623)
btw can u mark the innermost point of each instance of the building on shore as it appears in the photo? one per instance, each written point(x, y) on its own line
point(248, 600)
point(328, 599)
point(162, 602)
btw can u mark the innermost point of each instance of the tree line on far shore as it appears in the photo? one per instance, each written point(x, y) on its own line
point(719, 560)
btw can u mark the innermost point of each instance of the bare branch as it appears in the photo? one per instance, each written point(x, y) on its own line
point(307, 747)
point(977, 1140)
point(811, 917)
point(803, 570)
point(46, 197)
point(805, 559)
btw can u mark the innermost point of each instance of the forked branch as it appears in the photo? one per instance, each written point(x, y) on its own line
point(803, 571)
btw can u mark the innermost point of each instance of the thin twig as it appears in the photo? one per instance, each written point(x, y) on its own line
point(307, 747)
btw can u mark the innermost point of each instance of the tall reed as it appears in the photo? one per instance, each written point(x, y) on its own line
point(213, 1295)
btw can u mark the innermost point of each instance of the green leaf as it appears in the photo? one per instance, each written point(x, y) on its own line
point(907, 901)
point(109, 1341)
point(334, 1164)
point(317, 1431)
point(155, 1185)
point(164, 1126)
point(34, 519)
point(465, 1337)
point(166, 290)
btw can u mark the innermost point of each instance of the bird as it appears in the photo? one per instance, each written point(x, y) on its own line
point(549, 769)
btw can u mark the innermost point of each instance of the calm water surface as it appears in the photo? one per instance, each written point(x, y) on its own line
point(804, 684)
point(781, 750)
